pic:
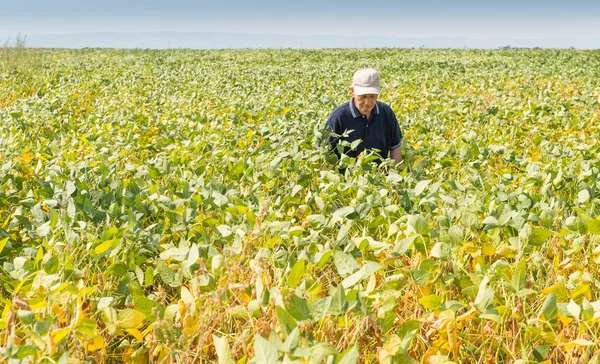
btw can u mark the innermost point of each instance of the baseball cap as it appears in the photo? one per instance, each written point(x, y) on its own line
point(366, 81)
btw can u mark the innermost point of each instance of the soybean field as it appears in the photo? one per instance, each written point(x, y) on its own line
point(174, 206)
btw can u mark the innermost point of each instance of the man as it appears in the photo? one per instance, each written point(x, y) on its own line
point(365, 118)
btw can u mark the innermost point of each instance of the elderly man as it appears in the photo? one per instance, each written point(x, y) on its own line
point(366, 119)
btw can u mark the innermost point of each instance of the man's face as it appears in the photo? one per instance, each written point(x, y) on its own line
point(364, 103)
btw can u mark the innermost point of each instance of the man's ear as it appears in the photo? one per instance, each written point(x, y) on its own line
point(352, 91)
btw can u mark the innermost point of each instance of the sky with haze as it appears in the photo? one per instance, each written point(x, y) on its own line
point(473, 19)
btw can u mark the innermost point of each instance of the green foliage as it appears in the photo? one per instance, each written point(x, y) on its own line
point(174, 206)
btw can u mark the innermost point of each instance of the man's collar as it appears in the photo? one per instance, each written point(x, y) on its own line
point(356, 113)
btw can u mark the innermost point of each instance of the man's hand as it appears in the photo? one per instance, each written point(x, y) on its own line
point(396, 154)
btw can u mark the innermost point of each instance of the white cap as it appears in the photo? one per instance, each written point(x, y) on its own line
point(366, 81)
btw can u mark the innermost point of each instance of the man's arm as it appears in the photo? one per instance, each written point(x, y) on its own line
point(396, 154)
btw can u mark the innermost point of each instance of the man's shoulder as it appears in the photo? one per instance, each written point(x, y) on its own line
point(340, 111)
point(386, 110)
point(384, 107)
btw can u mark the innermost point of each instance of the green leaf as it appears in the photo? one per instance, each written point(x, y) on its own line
point(344, 263)
point(291, 342)
point(219, 199)
point(285, 320)
point(490, 221)
point(144, 304)
point(406, 332)
point(320, 203)
point(420, 187)
point(485, 295)
point(70, 188)
point(431, 302)
point(338, 301)
point(344, 211)
point(492, 315)
point(364, 272)
point(87, 326)
point(264, 351)
point(593, 225)
point(363, 210)
point(297, 307)
point(223, 350)
point(322, 350)
point(583, 196)
point(349, 356)
point(89, 209)
point(167, 274)
point(224, 230)
point(539, 236)
point(52, 265)
point(549, 308)
point(26, 317)
point(403, 245)
point(441, 250)
point(296, 274)
point(320, 308)
point(419, 224)
point(117, 269)
point(237, 169)
point(23, 351)
point(455, 235)
point(519, 276)
point(525, 292)
point(149, 276)
point(420, 277)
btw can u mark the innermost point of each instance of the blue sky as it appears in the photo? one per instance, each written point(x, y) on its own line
point(506, 19)
point(350, 17)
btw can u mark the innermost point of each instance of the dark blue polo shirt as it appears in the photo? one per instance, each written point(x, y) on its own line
point(381, 131)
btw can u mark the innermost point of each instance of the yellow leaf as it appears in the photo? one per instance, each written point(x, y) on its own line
point(470, 248)
point(190, 326)
point(59, 334)
point(35, 304)
point(244, 297)
point(148, 330)
point(103, 247)
point(468, 315)
point(39, 256)
point(136, 333)
point(94, 343)
point(60, 312)
point(488, 249)
point(507, 251)
point(476, 261)
point(126, 357)
point(559, 290)
point(581, 290)
point(26, 157)
point(3, 243)
point(130, 318)
point(564, 319)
